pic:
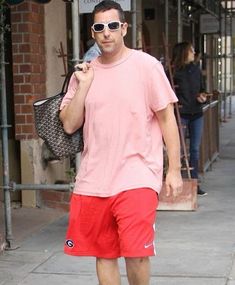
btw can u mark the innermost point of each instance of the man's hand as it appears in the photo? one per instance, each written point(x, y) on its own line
point(174, 183)
point(84, 73)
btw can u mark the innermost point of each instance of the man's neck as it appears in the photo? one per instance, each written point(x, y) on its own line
point(108, 58)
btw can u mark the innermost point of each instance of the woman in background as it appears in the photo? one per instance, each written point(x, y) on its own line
point(189, 89)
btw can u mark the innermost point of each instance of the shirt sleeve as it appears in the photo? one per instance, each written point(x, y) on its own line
point(161, 92)
point(72, 88)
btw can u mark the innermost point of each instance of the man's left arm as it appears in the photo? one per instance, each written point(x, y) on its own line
point(169, 128)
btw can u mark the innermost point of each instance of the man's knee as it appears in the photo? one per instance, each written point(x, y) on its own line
point(137, 262)
point(138, 270)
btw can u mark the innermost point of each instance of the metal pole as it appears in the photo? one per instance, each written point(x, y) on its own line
point(58, 187)
point(231, 62)
point(166, 36)
point(76, 31)
point(167, 22)
point(220, 59)
point(5, 155)
point(193, 33)
point(76, 46)
point(134, 24)
point(179, 22)
point(225, 62)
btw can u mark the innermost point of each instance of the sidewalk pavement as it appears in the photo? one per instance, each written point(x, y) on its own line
point(193, 248)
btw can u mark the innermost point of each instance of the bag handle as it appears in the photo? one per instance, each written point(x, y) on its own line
point(66, 81)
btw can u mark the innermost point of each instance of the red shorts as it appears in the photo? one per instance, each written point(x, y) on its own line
point(121, 225)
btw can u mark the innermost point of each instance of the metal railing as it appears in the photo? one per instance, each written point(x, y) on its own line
point(209, 149)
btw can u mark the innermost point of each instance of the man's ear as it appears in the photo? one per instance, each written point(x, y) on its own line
point(124, 29)
point(92, 33)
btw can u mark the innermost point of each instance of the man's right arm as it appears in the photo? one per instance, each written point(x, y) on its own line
point(72, 115)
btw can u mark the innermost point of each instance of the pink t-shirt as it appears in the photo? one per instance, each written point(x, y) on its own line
point(123, 146)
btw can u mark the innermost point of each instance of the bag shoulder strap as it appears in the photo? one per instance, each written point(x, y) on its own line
point(66, 81)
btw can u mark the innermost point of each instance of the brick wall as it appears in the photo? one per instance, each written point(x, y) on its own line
point(55, 199)
point(28, 47)
point(29, 79)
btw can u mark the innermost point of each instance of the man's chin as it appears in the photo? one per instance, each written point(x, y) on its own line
point(107, 50)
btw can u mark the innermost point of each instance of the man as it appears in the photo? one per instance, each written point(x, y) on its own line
point(125, 102)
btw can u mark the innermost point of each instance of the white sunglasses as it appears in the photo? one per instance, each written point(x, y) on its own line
point(113, 26)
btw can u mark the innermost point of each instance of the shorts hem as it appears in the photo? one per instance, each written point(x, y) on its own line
point(76, 253)
point(138, 255)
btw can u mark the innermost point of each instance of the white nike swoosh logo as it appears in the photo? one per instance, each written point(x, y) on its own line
point(148, 245)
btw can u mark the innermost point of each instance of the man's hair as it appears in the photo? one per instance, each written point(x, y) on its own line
point(108, 5)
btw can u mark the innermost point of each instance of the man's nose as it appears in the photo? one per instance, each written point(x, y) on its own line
point(106, 31)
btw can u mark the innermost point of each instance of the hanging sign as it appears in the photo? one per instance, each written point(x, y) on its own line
point(209, 24)
point(87, 6)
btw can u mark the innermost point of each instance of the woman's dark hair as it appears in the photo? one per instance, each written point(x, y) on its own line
point(180, 54)
point(108, 5)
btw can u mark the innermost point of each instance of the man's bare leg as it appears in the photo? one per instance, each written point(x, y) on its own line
point(108, 271)
point(138, 270)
